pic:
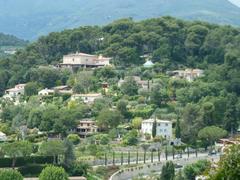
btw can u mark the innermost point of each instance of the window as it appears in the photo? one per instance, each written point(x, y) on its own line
point(159, 124)
point(166, 124)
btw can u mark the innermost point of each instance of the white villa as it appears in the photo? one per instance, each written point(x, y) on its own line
point(16, 91)
point(87, 98)
point(84, 60)
point(164, 128)
point(188, 74)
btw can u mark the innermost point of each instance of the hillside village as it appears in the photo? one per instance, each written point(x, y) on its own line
point(123, 101)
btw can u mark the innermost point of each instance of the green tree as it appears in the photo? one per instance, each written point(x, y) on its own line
point(211, 133)
point(178, 129)
point(31, 89)
point(17, 149)
point(129, 87)
point(53, 173)
point(52, 148)
point(122, 108)
point(10, 175)
point(74, 138)
point(69, 156)
point(168, 171)
point(228, 165)
point(192, 170)
point(131, 138)
point(137, 123)
point(108, 119)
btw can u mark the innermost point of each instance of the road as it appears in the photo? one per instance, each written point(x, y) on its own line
point(129, 173)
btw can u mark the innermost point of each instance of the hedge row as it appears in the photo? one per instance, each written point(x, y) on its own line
point(7, 162)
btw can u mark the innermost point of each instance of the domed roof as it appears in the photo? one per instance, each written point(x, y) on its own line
point(148, 64)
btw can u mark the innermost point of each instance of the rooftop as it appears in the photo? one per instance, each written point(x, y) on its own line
point(158, 120)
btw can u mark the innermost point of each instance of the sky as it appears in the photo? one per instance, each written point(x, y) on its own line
point(236, 2)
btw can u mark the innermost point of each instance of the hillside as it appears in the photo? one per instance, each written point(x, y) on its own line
point(29, 19)
point(9, 40)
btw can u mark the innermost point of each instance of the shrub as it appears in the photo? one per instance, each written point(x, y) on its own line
point(79, 169)
point(53, 173)
point(74, 138)
point(10, 175)
point(31, 170)
point(7, 162)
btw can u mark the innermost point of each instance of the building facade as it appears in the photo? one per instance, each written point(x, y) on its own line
point(83, 60)
point(188, 74)
point(164, 128)
point(16, 91)
point(86, 128)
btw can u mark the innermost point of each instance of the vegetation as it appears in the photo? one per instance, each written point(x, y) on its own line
point(10, 175)
point(168, 171)
point(53, 173)
point(201, 111)
point(227, 165)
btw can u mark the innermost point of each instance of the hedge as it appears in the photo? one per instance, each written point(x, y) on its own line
point(31, 170)
point(7, 162)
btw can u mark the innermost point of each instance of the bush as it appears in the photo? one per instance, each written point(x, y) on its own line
point(31, 170)
point(74, 138)
point(53, 173)
point(10, 175)
point(78, 169)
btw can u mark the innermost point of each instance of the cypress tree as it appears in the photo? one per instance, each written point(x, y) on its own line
point(178, 129)
point(154, 129)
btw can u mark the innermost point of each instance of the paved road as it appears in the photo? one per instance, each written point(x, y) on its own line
point(148, 168)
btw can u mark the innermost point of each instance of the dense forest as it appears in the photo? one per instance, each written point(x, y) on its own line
point(171, 43)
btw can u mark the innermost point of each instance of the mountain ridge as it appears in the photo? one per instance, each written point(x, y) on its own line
point(30, 19)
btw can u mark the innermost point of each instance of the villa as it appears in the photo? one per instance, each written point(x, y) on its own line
point(164, 128)
point(16, 91)
point(188, 74)
point(83, 60)
point(86, 127)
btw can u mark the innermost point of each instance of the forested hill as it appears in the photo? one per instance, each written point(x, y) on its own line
point(9, 40)
point(170, 42)
point(29, 19)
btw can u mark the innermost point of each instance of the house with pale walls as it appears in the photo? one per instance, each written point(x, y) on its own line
point(188, 74)
point(163, 128)
point(87, 98)
point(83, 60)
point(86, 127)
point(58, 89)
point(15, 92)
